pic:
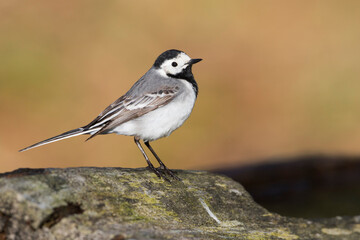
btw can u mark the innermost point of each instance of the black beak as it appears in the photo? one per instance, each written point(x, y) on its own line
point(195, 60)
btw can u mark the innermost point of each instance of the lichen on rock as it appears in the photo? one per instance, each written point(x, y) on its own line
point(116, 203)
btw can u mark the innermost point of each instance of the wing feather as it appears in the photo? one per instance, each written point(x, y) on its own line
point(127, 108)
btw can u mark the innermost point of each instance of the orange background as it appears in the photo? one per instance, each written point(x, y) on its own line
point(279, 78)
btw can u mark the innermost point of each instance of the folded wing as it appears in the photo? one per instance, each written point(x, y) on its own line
point(127, 108)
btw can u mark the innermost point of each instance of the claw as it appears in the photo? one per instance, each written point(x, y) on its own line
point(159, 173)
point(155, 171)
point(167, 171)
point(162, 170)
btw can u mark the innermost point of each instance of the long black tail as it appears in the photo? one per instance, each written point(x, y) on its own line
point(69, 134)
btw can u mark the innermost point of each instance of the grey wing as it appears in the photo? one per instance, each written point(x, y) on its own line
point(127, 108)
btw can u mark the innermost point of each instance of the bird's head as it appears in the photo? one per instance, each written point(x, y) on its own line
point(175, 63)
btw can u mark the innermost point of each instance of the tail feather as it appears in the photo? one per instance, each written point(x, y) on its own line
point(69, 134)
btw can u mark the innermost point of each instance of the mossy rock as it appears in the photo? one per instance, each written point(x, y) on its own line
point(116, 203)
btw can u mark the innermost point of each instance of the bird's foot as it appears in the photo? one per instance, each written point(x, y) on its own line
point(159, 173)
point(165, 171)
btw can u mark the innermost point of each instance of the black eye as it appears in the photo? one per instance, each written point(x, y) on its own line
point(174, 64)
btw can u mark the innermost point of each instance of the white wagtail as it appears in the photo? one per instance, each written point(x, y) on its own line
point(157, 104)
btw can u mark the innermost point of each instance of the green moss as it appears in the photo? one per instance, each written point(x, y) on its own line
point(136, 203)
point(278, 234)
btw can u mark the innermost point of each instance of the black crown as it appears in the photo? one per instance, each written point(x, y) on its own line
point(169, 54)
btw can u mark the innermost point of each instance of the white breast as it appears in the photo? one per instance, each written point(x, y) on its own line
point(162, 121)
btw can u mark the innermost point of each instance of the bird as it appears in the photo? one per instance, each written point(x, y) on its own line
point(156, 105)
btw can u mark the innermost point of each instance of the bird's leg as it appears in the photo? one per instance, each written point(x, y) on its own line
point(162, 165)
point(147, 159)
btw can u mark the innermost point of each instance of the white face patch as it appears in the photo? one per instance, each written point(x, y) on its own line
point(175, 65)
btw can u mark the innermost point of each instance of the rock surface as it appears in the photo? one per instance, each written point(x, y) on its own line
point(116, 204)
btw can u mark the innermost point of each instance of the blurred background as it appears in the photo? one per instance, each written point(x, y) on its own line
point(279, 79)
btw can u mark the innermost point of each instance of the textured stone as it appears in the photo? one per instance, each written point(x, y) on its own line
point(115, 203)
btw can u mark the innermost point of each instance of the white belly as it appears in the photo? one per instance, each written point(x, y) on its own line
point(162, 121)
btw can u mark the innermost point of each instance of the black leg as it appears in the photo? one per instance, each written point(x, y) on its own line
point(162, 165)
point(147, 160)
